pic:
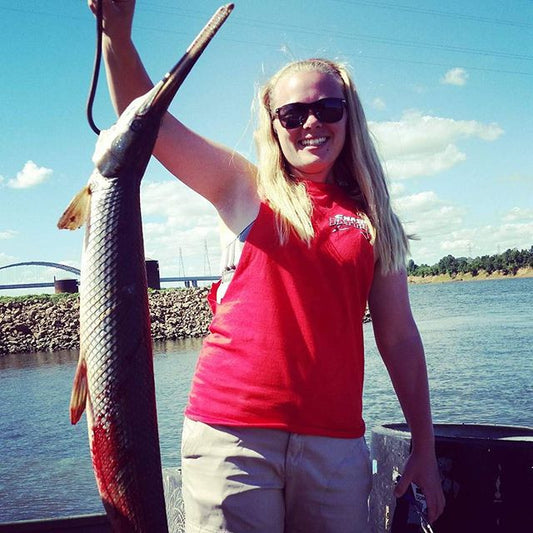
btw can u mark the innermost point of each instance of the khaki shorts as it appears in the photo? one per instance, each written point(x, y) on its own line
point(268, 481)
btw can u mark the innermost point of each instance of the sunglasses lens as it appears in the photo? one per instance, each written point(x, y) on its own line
point(327, 110)
point(293, 115)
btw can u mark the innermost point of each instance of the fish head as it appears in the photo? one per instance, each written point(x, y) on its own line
point(126, 147)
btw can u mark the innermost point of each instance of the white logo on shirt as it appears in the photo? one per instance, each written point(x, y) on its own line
point(344, 222)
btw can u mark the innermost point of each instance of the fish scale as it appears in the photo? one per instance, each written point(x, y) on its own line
point(114, 381)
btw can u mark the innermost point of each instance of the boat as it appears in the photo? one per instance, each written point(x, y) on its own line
point(486, 470)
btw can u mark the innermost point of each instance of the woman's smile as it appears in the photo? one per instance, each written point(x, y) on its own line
point(313, 141)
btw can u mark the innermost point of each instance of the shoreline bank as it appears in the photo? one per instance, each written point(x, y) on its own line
point(50, 322)
point(482, 276)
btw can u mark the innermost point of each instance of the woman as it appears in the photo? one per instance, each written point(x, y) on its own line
point(273, 435)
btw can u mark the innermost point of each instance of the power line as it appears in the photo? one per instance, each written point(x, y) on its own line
point(253, 23)
point(257, 23)
point(386, 40)
point(444, 65)
point(380, 5)
point(376, 57)
point(294, 29)
point(438, 13)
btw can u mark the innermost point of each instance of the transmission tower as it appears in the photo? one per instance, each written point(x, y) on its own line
point(207, 264)
point(181, 267)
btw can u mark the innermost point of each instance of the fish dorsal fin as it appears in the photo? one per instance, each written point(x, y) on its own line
point(77, 212)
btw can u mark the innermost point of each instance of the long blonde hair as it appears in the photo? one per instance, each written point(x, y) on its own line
point(357, 170)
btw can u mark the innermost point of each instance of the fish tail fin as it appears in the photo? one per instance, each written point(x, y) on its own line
point(77, 211)
point(78, 398)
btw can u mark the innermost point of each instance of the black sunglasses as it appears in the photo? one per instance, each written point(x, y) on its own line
point(294, 115)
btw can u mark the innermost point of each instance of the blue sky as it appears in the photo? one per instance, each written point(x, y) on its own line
point(447, 88)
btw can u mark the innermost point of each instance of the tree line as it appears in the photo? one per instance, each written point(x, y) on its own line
point(507, 263)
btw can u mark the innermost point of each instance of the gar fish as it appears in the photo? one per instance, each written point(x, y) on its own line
point(114, 380)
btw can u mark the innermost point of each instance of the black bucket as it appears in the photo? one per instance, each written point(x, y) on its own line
point(152, 274)
point(486, 472)
point(65, 285)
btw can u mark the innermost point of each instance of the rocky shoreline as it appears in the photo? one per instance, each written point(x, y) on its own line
point(48, 323)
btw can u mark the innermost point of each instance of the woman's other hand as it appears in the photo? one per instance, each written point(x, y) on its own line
point(117, 17)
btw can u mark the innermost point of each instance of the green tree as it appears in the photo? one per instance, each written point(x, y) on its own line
point(448, 265)
point(508, 263)
point(462, 265)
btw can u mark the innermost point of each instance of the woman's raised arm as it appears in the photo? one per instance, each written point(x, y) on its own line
point(219, 174)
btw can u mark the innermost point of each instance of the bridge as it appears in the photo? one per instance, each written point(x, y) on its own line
point(188, 281)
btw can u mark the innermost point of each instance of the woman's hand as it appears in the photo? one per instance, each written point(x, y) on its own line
point(117, 17)
point(422, 469)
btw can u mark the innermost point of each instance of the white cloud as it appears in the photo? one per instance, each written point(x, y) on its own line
point(458, 247)
point(519, 214)
point(510, 235)
point(6, 260)
point(178, 220)
point(425, 215)
point(7, 234)
point(378, 104)
point(174, 199)
point(396, 188)
point(30, 176)
point(455, 76)
point(424, 164)
point(430, 220)
point(441, 230)
point(488, 239)
point(424, 145)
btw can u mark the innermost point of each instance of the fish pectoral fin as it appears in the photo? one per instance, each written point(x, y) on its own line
point(78, 398)
point(77, 211)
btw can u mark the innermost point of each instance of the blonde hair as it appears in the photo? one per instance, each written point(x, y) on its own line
point(357, 170)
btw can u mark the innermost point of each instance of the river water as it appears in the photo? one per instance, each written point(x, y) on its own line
point(478, 338)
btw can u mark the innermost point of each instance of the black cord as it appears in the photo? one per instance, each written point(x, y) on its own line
point(96, 67)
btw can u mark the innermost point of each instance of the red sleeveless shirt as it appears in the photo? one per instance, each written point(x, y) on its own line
point(285, 348)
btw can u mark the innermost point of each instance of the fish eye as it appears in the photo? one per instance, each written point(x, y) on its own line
point(137, 125)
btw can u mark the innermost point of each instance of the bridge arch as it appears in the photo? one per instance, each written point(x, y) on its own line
point(68, 268)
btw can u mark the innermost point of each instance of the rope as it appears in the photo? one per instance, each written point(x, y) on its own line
point(96, 66)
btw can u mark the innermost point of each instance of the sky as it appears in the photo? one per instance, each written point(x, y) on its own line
point(447, 90)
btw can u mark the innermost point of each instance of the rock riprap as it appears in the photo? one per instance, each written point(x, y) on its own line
point(51, 322)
